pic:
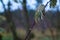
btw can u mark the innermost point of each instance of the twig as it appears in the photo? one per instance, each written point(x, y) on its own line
point(45, 7)
point(30, 29)
point(47, 3)
point(29, 32)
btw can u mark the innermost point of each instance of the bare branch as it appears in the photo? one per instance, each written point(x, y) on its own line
point(45, 7)
point(47, 3)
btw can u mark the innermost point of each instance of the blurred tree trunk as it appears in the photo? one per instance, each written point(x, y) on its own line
point(27, 19)
point(28, 27)
point(26, 14)
point(8, 16)
point(12, 25)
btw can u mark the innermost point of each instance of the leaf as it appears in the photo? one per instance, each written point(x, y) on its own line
point(39, 13)
point(53, 3)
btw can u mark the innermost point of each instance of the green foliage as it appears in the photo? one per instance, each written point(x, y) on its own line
point(7, 36)
point(2, 19)
point(39, 13)
point(41, 8)
point(2, 31)
point(45, 38)
point(53, 3)
point(37, 16)
point(32, 35)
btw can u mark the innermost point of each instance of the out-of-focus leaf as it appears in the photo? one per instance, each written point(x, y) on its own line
point(39, 13)
point(53, 3)
point(2, 31)
point(2, 18)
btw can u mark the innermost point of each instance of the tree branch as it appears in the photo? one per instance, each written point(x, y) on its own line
point(47, 3)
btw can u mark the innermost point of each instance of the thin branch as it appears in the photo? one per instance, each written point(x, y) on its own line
point(45, 7)
point(49, 27)
point(47, 3)
point(30, 29)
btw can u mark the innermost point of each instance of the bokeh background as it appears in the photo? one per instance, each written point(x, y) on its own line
point(17, 17)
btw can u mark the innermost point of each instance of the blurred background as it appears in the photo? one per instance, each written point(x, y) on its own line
point(17, 18)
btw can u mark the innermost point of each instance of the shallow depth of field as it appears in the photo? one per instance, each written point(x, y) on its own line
point(29, 19)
